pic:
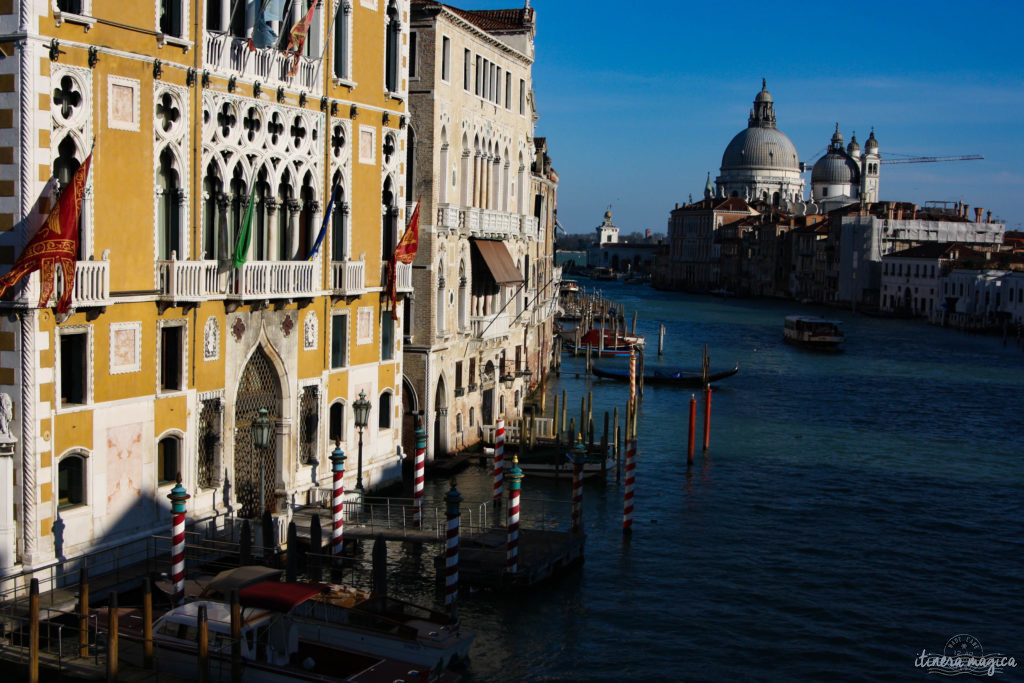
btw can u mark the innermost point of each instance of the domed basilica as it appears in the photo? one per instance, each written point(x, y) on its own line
point(761, 163)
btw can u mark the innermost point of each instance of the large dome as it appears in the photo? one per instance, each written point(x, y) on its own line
point(835, 169)
point(760, 148)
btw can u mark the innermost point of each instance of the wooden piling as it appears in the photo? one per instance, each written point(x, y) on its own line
point(112, 636)
point(583, 414)
point(291, 570)
point(600, 341)
point(661, 340)
point(203, 645)
point(147, 624)
point(33, 631)
point(634, 323)
point(558, 435)
point(707, 416)
point(590, 348)
point(618, 451)
point(604, 443)
point(83, 612)
point(236, 638)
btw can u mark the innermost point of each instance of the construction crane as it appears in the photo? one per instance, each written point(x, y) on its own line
point(928, 160)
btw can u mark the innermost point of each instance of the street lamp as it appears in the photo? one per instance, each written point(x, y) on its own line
point(260, 432)
point(361, 409)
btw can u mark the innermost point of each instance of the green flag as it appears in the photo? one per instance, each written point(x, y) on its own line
point(244, 233)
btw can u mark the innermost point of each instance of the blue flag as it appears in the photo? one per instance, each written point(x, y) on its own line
point(266, 11)
point(327, 219)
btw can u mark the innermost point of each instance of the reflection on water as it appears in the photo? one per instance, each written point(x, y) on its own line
point(854, 509)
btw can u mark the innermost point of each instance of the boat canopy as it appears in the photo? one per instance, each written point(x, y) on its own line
point(237, 579)
point(279, 596)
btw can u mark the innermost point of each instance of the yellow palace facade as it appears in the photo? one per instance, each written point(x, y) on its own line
point(179, 333)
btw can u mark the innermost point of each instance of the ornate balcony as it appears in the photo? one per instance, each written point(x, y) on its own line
point(92, 285)
point(449, 217)
point(273, 280)
point(226, 54)
point(348, 278)
point(531, 228)
point(403, 282)
point(188, 281)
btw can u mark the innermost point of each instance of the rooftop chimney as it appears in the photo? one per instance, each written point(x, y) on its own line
point(977, 214)
point(966, 207)
point(988, 216)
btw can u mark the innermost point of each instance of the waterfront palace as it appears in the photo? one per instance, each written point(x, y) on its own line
point(182, 329)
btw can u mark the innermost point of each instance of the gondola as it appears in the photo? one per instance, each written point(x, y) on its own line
point(668, 376)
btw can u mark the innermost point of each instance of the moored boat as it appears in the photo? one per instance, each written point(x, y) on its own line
point(668, 376)
point(812, 332)
point(271, 647)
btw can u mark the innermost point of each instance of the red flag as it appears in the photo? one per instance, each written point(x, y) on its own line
point(55, 244)
point(297, 37)
point(405, 252)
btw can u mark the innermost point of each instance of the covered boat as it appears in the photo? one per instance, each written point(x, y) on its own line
point(812, 332)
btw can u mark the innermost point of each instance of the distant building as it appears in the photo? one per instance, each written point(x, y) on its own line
point(692, 261)
point(626, 257)
point(911, 278)
point(845, 176)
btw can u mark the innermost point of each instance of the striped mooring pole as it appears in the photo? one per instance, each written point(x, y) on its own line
point(337, 500)
point(512, 555)
point(417, 480)
point(627, 506)
point(451, 549)
point(499, 459)
point(178, 496)
point(578, 458)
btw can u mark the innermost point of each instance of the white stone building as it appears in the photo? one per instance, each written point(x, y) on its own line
point(472, 329)
point(912, 279)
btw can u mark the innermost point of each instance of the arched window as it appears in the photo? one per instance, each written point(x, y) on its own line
point(71, 481)
point(389, 218)
point(283, 223)
point(463, 298)
point(410, 164)
point(214, 215)
point(239, 200)
point(336, 426)
point(444, 180)
point(384, 411)
point(393, 40)
point(168, 463)
point(458, 422)
point(341, 40)
point(472, 415)
point(168, 193)
point(339, 223)
point(501, 405)
point(441, 296)
point(307, 231)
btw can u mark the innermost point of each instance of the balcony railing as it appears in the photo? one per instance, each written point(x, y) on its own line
point(348, 278)
point(188, 281)
point(224, 53)
point(273, 280)
point(448, 217)
point(92, 285)
point(403, 281)
point(530, 228)
point(489, 326)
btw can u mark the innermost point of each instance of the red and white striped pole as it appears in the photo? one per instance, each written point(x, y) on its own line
point(338, 500)
point(178, 496)
point(578, 457)
point(627, 507)
point(418, 476)
point(512, 555)
point(499, 459)
point(451, 549)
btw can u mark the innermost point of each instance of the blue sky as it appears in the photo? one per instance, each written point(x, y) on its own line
point(638, 101)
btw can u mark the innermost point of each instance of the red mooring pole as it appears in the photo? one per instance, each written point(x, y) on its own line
point(707, 416)
point(693, 429)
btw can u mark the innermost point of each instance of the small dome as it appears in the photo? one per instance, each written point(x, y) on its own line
point(835, 168)
point(764, 95)
point(760, 148)
point(853, 149)
point(608, 215)
point(871, 146)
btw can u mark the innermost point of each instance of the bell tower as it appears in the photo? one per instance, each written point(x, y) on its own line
point(869, 176)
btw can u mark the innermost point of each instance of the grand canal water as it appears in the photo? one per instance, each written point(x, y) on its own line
point(853, 510)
